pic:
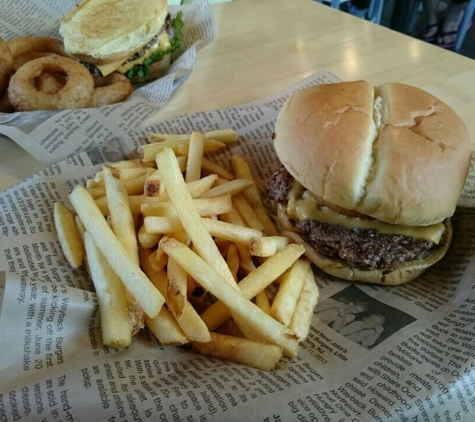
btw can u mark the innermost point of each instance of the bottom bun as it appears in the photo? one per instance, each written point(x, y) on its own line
point(402, 274)
point(157, 70)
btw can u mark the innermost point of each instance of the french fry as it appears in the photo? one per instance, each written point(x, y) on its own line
point(147, 240)
point(255, 282)
point(291, 284)
point(222, 135)
point(212, 168)
point(136, 282)
point(247, 213)
point(68, 235)
point(195, 157)
point(128, 164)
point(125, 173)
point(190, 322)
point(149, 151)
point(152, 184)
point(237, 303)
point(196, 188)
point(241, 350)
point(188, 214)
point(205, 206)
point(242, 170)
point(112, 297)
point(120, 214)
point(232, 259)
point(177, 288)
point(166, 329)
point(177, 284)
point(232, 187)
point(302, 317)
point(216, 228)
point(157, 260)
point(134, 187)
point(263, 302)
point(267, 245)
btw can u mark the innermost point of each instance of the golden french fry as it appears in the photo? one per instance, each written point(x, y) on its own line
point(120, 214)
point(147, 240)
point(291, 284)
point(232, 259)
point(68, 235)
point(137, 283)
point(255, 282)
point(125, 173)
point(157, 260)
point(112, 297)
point(302, 317)
point(196, 188)
point(195, 156)
point(205, 206)
point(134, 187)
point(190, 322)
point(152, 184)
point(241, 350)
point(263, 302)
point(177, 288)
point(166, 329)
point(209, 167)
point(149, 151)
point(247, 213)
point(128, 164)
point(216, 228)
point(242, 171)
point(80, 227)
point(123, 226)
point(188, 214)
point(232, 187)
point(237, 303)
point(222, 135)
point(267, 245)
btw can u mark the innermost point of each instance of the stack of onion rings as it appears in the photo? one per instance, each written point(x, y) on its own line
point(36, 73)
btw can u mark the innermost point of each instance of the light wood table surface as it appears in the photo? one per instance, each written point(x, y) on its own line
point(265, 45)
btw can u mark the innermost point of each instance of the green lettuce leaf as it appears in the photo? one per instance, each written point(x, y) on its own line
point(143, 70)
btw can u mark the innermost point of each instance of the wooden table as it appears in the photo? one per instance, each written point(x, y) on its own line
point(265, 45)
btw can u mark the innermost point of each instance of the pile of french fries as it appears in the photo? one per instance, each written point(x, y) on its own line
point(180, 244)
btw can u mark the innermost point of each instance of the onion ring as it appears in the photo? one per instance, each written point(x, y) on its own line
point(50, 83)
point(20, 60)
point(110, 89)
point(6, 66)
point(76, 93)
point(23, 45)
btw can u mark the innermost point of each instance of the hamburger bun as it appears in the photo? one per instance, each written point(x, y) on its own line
point(393, 154)
point(105, 31)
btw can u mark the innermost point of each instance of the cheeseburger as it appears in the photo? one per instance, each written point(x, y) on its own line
point(133, 37)
point(370, 178)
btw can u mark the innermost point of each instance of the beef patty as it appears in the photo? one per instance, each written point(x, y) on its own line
point(359, 248)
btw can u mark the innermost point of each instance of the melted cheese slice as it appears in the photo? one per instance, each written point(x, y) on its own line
point(119, 66)
point(301, 206)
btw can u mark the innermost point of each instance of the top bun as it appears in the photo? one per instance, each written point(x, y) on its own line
point(395, 152)
point(104, 31)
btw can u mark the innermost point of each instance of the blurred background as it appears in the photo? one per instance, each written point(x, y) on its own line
point(406, 16)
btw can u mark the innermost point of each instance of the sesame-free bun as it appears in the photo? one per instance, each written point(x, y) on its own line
point(104, 31)
point(394, 152)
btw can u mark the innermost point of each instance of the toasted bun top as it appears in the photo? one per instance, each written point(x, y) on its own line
point(395, 152)
point(110, 30)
